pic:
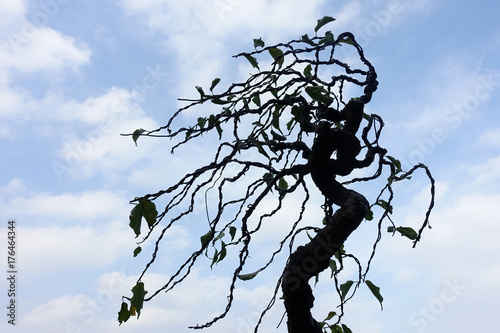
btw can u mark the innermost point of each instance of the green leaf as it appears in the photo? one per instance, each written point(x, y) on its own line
point(407, 232)
point(375, 291)
point(246, 277)
point(137, 133)
point(214, 83)
point(282, 184)
point(344, 288)
point(307, 40)
point(258, 43)
point(319, 94)
point(124, 313)
point(252, 60)
point(322, 22)
point(232, 232)
point(219, 236)
point(150, 213)
point(137, 251)
point(137, 299)
point(346, 329)
point(385, 205)
point(201, 122)
point(278, 137)
point(206, 238)
point(347, 40)
point(369, 215)
point(256, 100)
point(277, 55)
point(328, 38)
point(200, 90)
point(333, 266)
point(218, 101)
point(396, 163)
point(136, 218)
point(219, 129)
point(307, 71)
point(331, 314)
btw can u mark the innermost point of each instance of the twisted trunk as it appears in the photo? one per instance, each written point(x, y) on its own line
point(309, 260)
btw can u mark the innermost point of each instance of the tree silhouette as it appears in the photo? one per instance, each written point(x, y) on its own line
point(286, 129)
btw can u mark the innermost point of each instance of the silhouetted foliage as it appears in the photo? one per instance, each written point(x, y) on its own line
point(294, 113)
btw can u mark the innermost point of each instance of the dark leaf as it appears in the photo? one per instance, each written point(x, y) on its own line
point(407, 232)
point(277, 55)
point(137, 299)
point(200, 90)
point(137, 251)
point(137, 133)
point(319, 94)
point(322, 22)
point(206, 238)
point(246, 277)
point(252, 61)
point(306, 39)
point(214, 83)
point(124, 313)
point(375, 291)
point(258, 43)
point(344, 288)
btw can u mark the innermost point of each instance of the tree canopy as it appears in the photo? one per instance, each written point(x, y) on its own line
point(297, 124)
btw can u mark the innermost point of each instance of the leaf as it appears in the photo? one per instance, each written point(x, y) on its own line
point(307, 71)
point(333, 266)
point(307, 40)
point(277, 55)
point(282, 184)
point(137, 251)
point(246, 277)
point(252, 61)
point(258, 43)
point(124, 313)
point(278, 137)
point(201, 122)
point(150, 213)
point(344, 288)
point(322, 22)
point(375, 291)
point(407, 232)
point(396, 163)
point(331, 314)
point(137, 299)
point(232, 232)
point(218, 101)
point(214, 83)
point(319, 94)
point(328, 38)
point(136, 218)
point(385, 205)
point(206, 238)
point(200, 90)
point(346, 329)
point(369, 215)
point(256, 100)
point(137, 133)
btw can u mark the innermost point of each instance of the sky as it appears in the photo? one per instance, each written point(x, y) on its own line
point(74, 75)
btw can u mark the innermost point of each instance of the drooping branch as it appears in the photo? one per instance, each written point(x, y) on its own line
point(296, 117)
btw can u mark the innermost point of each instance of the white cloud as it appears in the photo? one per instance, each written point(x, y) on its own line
point(82, 206)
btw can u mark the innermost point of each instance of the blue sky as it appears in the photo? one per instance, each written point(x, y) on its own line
point(76, 74)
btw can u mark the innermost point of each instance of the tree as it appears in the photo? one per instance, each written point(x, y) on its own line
point(307, 134)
